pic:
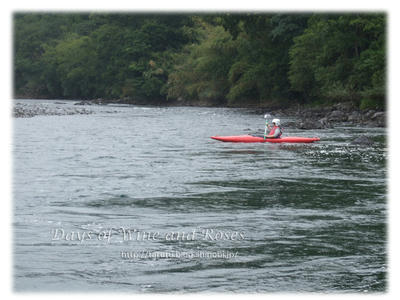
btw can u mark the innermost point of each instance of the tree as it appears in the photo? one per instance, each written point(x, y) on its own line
point(260, 69)
point(202, 69)
point(338, 55)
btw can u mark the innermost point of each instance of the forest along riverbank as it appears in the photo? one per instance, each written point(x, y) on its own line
point(224, 59)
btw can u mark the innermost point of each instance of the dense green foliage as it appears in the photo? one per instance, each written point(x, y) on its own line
point(201, 70)
point(234, 59)
point(96, 55)
point(340, 57)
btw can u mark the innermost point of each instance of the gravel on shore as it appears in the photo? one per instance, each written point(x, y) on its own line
point(24, 110)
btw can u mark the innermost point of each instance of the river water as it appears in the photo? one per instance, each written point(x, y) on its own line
point(140, 199)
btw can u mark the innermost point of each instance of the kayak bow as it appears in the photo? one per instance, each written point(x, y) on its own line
point(257, 139)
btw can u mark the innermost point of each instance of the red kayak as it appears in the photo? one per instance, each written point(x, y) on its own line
point(258, 139)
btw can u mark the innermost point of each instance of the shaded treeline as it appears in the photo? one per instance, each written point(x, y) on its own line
point(218, 59)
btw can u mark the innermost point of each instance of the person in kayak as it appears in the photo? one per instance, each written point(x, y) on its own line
point(275, 130)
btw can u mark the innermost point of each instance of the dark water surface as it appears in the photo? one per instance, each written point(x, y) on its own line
point(279, 218)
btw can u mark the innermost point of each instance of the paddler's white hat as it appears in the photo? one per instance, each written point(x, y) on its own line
point(277, 122)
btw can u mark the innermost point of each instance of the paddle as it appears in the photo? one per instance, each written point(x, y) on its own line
point(266, 117)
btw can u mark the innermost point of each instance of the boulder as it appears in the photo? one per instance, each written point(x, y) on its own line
point(325, 123)
point(337, 115)
point(83, 103)
point(307, 114)
point(354, 117)
point(378, 115)
point(379, 118)
point(370, 113)
point(310, 124)
point(290, 124)
point(363, 140)
point(98, 101)
point(345, 106)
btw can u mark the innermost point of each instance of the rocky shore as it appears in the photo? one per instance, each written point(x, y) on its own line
point(330, 116)
point(308, 118)
point(24, 110)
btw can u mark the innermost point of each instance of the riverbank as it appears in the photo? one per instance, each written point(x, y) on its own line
point(328, 116)
point(317, 117)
